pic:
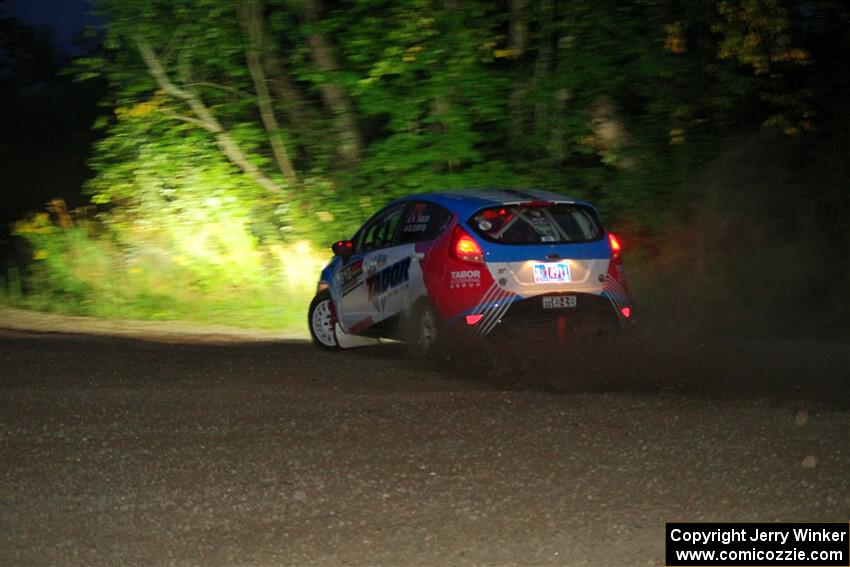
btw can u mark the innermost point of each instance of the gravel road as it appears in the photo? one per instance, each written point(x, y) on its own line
point(123, 452)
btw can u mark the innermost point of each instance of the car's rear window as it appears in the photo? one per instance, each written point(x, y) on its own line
point(537, 223)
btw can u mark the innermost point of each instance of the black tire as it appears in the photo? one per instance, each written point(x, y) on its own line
point(321, 319)
point(425, 333)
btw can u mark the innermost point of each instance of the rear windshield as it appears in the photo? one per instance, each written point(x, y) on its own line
point(536, 223)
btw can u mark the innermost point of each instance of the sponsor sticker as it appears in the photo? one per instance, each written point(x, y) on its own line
point(349, 276)
point(376, 263)
point(465, 278)
point(387, 282)
point(421, 225)
point(418, 220)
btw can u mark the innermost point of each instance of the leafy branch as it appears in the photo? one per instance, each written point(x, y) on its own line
point(203, 117)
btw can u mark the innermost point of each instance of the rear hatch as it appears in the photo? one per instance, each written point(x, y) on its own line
point(542, 247)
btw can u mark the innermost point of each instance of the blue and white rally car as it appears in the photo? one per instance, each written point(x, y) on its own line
point(482, 262)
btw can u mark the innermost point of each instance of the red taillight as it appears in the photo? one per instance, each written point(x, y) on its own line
point(473, 319)
point(626, 311)
point(615, 244)
point(465, 248)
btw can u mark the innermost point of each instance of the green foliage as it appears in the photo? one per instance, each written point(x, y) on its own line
point(618, 102)
point(607, 100)
point(199, 269)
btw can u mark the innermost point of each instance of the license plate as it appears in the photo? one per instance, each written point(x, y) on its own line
point(555, 272)
point(559, 302)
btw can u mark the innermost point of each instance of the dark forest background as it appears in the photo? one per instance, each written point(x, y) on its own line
point(198, 157)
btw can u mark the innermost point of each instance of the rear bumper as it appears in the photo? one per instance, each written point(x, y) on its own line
point(572, 313)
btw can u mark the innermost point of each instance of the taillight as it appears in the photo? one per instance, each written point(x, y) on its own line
point(616, 248)
point(465, 248)
point(615, 278)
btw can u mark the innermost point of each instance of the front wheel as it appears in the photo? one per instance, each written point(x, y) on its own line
point(322, 321)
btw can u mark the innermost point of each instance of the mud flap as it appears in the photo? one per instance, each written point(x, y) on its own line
point(345, 340)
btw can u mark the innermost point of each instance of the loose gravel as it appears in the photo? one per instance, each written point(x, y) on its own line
point(124, 452)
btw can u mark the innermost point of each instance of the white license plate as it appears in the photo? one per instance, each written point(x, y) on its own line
point(559, 302)
point(555, 272)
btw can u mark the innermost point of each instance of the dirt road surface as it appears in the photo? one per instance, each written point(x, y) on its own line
point(115, 451)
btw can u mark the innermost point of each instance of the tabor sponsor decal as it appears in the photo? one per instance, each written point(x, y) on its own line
point(465, 278)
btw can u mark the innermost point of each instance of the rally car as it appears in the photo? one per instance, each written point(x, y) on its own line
point(476, 262)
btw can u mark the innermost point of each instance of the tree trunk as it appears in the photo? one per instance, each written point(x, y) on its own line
point(519, 30)
point(543, 64)
point(333, 95)
point(519, 91)
point(250, 15)
point(300, 114)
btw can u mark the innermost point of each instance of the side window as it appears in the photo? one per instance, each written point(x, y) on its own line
point(422, 221)
point(381, 232)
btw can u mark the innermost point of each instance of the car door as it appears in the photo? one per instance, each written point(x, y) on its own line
point(371, 279)
point(422, 222)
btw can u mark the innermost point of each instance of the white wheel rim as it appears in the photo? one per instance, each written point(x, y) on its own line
point(323, 324)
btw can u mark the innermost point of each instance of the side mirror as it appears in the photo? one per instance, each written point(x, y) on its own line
point(343, 248)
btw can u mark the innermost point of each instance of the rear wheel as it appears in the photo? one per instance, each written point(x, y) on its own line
point(322, 321)
point(425, 332)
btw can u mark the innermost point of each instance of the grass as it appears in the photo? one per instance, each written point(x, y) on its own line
point(268, 309)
